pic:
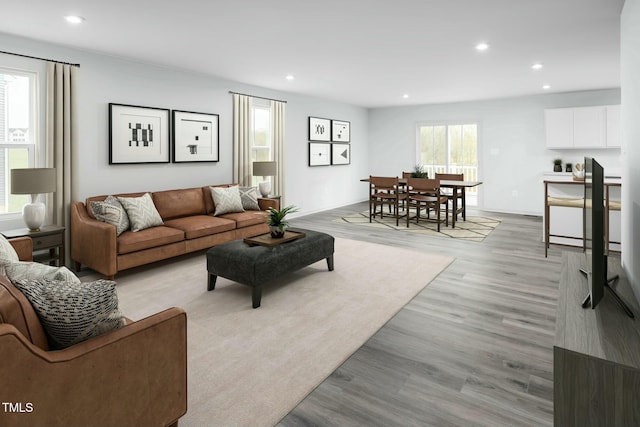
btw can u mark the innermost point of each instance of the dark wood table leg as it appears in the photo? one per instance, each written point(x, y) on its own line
point(330, 263)
point(256, 296)
point(212, 282)
point(464, 204)
point(455, 208)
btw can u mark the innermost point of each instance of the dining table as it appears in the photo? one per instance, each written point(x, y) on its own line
point(454, 185)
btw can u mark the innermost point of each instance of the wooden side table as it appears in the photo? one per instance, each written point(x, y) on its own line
point(274, 198)
point(48, 243)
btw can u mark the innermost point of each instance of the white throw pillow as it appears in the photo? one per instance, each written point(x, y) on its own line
point(226, 200)
point(22, 270)
point(141, 211)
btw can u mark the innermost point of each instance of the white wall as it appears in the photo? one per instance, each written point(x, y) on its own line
point(104, 79)
point(630, 53)
point(512, 153)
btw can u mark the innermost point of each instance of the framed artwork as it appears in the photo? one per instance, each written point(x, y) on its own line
point(340, 154)
point(319, 154)
point(138, 134)
point(196, 137)
point(340, 131)
point(319, 129)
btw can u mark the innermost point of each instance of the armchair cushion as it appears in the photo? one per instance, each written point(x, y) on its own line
point(73, 312)
point(21, 270)
point(141, 211)
point(112, 212)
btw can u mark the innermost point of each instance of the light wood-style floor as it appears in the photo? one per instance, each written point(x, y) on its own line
point(474, 348)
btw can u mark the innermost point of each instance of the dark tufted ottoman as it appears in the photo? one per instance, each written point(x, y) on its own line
point(256, 265)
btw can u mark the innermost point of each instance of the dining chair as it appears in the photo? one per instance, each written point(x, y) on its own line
point(385, 191)
point(427, 191)
point(452, 193)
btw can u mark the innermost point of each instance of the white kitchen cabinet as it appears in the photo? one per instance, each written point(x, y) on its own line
point(583, 127)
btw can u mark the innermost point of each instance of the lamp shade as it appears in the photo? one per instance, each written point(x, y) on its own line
point(265, 168)
point(33, 181)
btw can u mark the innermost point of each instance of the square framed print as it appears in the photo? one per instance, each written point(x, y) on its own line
point(319, 129)
point(319, 154)
point(138, 134)
point(340, 154)
point(340, 131)
point(196, 137)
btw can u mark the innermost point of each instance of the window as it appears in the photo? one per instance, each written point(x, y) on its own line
point(450, 148)
point(18, 135)
point(261, 150)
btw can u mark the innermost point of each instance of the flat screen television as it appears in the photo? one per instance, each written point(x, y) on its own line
point(594, 238)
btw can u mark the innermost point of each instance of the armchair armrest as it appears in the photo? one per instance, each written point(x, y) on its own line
point(93, 243)
point(134, 376)
point(23, 247)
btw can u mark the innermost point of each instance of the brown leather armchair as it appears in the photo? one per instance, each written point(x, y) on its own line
point(134, 376)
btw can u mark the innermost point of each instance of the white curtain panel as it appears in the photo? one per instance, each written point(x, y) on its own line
point(242, 139)
point(61, 138)
point(277, 140)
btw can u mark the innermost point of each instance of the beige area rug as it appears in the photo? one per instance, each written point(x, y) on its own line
point(252, 367)
point(475, 228)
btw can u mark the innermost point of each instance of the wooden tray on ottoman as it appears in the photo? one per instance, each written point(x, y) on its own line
point(267, 240)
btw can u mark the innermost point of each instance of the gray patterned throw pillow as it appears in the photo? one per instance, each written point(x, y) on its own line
point(226, 200)
point(249, 198)
point(21, 270)
point(111, 212)
point(141, 211)
point(73, 312)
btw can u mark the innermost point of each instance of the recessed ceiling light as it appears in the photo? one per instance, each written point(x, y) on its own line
point(482, 46)
point(74, 19)
point(546, 87)
point(405, 96)
point(537, 66)
point(289, 77)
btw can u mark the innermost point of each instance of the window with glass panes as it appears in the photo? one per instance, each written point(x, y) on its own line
point(261, 150)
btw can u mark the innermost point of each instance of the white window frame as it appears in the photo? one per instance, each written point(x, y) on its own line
point(261, 104)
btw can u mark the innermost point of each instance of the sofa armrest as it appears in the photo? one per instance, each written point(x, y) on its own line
point(266, 203)
point(134, 376)
point(93, 243)
point(23, 247)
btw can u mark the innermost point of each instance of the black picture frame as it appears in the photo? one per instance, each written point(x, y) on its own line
point(340, 154)
point(319, 129)
point(196, 137)
point(340, 131)
point(319, 154)
point(138, 134)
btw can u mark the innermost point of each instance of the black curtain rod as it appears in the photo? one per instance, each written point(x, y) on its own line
point(41, 59)
point(260, 97)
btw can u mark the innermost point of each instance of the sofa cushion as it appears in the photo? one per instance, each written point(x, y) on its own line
point(245, 219)
point(149, 238)
point(141, 211)
point(179, 203)
point(16, 310)
point(226, 200)
point(201, 225)
point(249, 198)
point(112, 212)
point(21, 270)
point(73, 312)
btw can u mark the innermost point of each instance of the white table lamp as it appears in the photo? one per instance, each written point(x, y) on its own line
point(265, 169)
point(34, 181)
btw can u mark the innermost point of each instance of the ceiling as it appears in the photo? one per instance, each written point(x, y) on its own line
point(362, 52)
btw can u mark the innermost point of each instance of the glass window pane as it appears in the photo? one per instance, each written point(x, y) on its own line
point(15, 98)
point(440, 148)
point(12, 158)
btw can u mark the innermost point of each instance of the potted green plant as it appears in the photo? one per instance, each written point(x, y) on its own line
point(277, 223)
point(419, 172)
point(557, 165)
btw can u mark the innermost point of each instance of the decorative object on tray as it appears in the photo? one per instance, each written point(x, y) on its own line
point(277, 223)
point(578, 172)
point(196, 137)
point(419, 172)
point(267, 240)
point(319, 129)
point(265, 170)
point(557, 165)
point(567, 168)
point(138, 134)
point(319, 154)
point(340, 131)
point(340, 154)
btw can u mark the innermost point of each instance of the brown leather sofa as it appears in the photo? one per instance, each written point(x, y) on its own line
point(134, 376)
point(189, 225)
